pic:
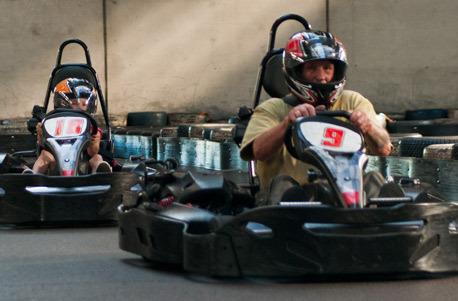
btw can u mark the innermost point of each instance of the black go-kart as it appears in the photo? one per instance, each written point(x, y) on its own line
point(71, 194)
point(344, 222)
point(328, 227)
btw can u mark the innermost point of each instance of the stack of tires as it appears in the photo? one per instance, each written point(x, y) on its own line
point(185, 137)
point(427, 133)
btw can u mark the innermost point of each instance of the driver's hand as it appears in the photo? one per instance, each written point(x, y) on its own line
point(361, 121)
point(302, 110)
point(39, 130)
point(95, 139)
point(94, 145)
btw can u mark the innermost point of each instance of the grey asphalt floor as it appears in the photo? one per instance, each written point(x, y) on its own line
point(86, 264)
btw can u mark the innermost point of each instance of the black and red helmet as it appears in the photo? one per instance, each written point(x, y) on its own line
point(313, 46)
point(75, 93)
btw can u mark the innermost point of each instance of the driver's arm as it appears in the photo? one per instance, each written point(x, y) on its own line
point(39, 130)
point(377, 138)
point(94, 145)
point(271, 141)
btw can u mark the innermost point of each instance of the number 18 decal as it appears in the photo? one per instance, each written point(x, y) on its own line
point(332, 137)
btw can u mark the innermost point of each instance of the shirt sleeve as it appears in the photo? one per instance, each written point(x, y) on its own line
point(260, 121)
point(366, 106)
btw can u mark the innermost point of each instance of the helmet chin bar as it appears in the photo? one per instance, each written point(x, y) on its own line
point(318, 94)
point(313, 99)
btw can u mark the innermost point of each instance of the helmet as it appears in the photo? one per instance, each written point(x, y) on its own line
point(308, 46)
point(75, 93)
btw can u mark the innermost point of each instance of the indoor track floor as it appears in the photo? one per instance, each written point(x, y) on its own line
point(86, 264)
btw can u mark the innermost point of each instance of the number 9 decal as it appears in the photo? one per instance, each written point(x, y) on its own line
point(332, 137)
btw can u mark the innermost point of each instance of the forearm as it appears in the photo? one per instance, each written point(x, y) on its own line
point(378, 140)
point(94, 145)
point(93, 149)
point(269, 142)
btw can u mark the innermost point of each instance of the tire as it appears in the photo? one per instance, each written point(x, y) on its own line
point(442, 129)
point(406, 126)
point(426, 114)
point(413, 147)
point(155, 119)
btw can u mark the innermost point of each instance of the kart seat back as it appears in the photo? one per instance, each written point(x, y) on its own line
point(274, 79)
point(73, 70)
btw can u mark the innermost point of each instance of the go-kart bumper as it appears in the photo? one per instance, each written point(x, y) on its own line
point(297, 241)
point(48, 199)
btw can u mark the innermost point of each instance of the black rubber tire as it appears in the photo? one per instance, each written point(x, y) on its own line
point(406, 126)
point(413, 147)
point(426, 114)
point(442, 129)
point(147, 119)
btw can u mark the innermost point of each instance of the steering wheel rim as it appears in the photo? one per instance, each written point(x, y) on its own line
point(287, 140)
point(93, 122)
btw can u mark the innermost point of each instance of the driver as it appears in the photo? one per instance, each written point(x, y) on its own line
point(76, 94)
point(314, 65)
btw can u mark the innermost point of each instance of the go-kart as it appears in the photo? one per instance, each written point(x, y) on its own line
point(335, 225)
point(328, 227)
point(72, 193)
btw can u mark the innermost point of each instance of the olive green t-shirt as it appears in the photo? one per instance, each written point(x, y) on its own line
point(272, 112)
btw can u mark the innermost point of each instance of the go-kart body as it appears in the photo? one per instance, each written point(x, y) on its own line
point(405, 229)
point(70, 193)
point(295, 240)
point(40, 199)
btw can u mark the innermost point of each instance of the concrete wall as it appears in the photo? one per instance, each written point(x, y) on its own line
point(30, 34)
point(403, 53)
point(203, 55)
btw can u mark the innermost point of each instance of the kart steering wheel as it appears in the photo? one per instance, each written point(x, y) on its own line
point(288, 134)
point(72, 112)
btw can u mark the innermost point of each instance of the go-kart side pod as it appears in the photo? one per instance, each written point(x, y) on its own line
point(30, 199)
point(296, 241)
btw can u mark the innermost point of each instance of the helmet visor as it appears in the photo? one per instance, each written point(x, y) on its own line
point(309, 46)
point(76, 94)
point(321, 49)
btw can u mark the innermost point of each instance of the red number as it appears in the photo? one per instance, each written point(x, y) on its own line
point(59, 128)
point(74, 126)
point(332, 137)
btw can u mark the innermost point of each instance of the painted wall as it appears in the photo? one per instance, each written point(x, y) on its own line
point(177, 55)
point(403, 53)
point(203, 55)
point(30, 34)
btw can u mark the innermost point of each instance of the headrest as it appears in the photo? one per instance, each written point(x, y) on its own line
point(73, 71)
point(274, 80)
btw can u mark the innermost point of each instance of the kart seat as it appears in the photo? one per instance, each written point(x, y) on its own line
point(274, 80)
point(284, 188)
point(73, 70)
